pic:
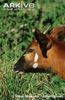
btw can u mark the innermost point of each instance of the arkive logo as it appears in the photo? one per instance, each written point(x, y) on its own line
point(20, 5)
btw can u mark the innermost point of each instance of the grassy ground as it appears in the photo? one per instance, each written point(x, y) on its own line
point(15, 35)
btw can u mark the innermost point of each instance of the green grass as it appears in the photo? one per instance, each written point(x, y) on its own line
point(15, 35)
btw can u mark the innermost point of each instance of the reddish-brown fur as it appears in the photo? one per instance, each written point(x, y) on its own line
point(56, 58)
point(58, 33)
point(29, 57)
point(55, 54)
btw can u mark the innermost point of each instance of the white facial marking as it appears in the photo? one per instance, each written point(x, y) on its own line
point(35, 65)
point(36, 57)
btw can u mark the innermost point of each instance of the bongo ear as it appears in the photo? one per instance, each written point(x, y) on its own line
point(58, 33)
point(43, 40)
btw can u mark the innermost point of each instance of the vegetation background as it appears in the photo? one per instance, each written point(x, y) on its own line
point(15, 35)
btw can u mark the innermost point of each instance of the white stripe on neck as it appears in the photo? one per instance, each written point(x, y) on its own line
point(35, 65)
point(36, 57)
